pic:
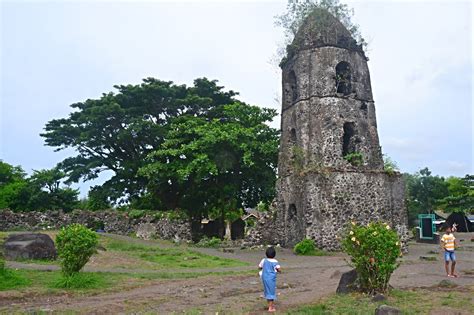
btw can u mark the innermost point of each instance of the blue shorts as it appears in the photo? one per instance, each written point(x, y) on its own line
point(449, 256)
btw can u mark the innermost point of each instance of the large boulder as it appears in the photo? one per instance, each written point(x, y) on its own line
point(348, 282)
point(29, 246)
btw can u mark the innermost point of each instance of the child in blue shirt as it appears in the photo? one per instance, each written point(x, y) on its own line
point(269, 267)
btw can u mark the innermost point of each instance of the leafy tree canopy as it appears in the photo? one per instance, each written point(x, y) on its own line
point(13, 186)
point(41, 191)
point(461, 195)
point(171, 146)
point(423, 191)
point(215, 166)
point(117, 131)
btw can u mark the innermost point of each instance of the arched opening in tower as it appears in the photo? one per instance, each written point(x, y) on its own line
point(293, 135)
point(343, 78)
point(291, 211)
point(348, 143)
point(293, 90)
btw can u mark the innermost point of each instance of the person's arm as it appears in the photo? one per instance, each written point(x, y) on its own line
point(278, 268)
point(260, 265)
point(457, 244)
point(442, 243)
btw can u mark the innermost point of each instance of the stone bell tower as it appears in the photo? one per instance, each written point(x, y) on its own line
point(330, 165)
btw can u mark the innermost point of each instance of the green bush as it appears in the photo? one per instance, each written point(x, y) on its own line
point(305, 247)
point(374, 250)
point(209, 242)
point(136, 214)
point(389, 165)
point(75, 244)
point(355, 158)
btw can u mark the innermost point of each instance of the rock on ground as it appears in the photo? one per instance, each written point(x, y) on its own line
point(387, 310)
point(347, 282)
point(29, 246)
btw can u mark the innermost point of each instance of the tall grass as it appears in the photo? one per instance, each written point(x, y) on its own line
point(80, 280)
point(11, 279)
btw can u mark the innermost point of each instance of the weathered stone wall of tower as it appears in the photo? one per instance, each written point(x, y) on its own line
point(314, 114)
point(318, 205)
point(328, 113)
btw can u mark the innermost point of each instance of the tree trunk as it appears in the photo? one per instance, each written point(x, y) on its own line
point(227, 235)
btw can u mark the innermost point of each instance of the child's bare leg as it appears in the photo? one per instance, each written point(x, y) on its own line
point(446, 266)
point(271, 306)
point(453, 266)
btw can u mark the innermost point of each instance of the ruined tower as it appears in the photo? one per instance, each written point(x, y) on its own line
point(330, 163)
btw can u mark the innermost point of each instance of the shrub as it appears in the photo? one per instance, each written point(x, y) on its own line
point(75, 244)
point(354, 158)
point(389, 165)
point(305, 247)
point(262, 206)
point(136, 214)
point(374, 250)
point(209, 242)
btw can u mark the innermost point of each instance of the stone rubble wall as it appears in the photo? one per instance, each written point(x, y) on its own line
point(112, 221)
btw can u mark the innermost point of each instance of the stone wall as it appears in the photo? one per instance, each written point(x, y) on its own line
point(111, 221)
point(323, 204)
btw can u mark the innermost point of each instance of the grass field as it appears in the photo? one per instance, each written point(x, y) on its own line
point(150, 262)
point(178, 257)
point(417, 301)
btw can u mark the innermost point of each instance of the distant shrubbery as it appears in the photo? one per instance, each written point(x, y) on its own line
point(209, 242)
point(136, 214)
point(307, 248)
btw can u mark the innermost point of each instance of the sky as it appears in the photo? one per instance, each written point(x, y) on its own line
point(56, 53)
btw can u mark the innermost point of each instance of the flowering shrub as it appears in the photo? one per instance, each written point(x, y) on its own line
point(374, 250)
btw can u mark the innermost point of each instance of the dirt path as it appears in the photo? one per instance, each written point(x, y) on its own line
point(234, 294)
point(304, 280)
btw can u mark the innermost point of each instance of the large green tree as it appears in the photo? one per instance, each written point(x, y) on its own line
point(47, 192)
point(215, 166)
point(461, 195)
point(423, 192)
point(13, 187)
point(41, 191)
point(117, 131)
